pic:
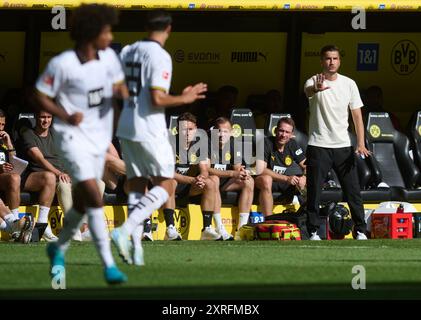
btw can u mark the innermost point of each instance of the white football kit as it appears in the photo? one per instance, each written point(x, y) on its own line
point(86, 88)
point(142, 127)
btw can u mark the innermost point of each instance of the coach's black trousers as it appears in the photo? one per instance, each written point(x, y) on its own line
point(342, 160)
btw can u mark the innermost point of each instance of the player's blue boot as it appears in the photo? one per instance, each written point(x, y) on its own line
point(123, 244)
point(114, 276)
point(56, 256)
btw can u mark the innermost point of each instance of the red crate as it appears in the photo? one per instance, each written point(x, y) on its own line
point(391, 225)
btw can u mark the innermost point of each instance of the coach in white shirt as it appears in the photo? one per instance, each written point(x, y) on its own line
point(331, 96)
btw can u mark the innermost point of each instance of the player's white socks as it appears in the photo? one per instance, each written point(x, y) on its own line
point(218, 221)
point(137, 235)
point(43, 214)
point(3, 225)
point(8, 219)
point(143, 207)
point(99, 233)
point(15, 213)
point(72, 221)
point(244, 218)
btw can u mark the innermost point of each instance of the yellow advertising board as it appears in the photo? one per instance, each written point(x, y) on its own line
point(326, 5)
point(254, 62)
point(388, 60)
point(11, 59)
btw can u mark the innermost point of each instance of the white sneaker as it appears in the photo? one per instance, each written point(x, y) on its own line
point(172, 233)
point(77, 236)
point(86, 235)
point(147, 236)
point(210, 234)
point(225, 235)
point(49, 235)
point(315, 236)
point(361, 236)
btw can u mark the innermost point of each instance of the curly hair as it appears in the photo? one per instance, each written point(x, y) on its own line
point(88, 21)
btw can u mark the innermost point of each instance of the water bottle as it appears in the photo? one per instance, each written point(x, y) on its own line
point(256, 217)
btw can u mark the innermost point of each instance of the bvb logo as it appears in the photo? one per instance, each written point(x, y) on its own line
point(375, 131)
point(419, 130)
point(174, 131)
point(183, 219)
point(193, 158)
point(404, 57)
point(236, 130)
point(288, 160)
point(273, 131)
point(227, 156)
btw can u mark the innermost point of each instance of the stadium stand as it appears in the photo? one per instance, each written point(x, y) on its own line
point(392, 163)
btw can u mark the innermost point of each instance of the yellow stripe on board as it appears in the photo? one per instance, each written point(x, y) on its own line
point(188, 221)
point(327, 5)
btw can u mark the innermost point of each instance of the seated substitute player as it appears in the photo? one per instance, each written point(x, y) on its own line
point(9, 181)
point(284, 166)
point(227, 164)
point(191, 173)
point(45, 172)
point(78, 87)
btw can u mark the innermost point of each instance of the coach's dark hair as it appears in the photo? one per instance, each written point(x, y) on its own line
point(221, 120)
point(287, 121)
point(88, 21)
point(327, 48)
point(158, 20)
point(187, 116)
point(2, 114)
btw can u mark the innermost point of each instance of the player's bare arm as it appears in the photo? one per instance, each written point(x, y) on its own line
point(292, 180)
point(35, 154)
point(47, 104)
point(359, 130)
point(161, 99)
point(204, 169)
point(184, 179)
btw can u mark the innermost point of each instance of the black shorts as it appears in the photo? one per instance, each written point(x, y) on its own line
point(278, 186)
point(182, 190)
point(223, 182)
point(23, 177)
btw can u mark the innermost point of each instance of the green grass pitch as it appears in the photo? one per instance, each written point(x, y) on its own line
point(224, 270)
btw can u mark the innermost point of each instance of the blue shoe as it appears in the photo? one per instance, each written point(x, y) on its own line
point(123, 244)
point(114, 276)
point(56, 256)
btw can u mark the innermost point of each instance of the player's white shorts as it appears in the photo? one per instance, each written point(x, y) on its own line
point(154, 158)
point(80, 163)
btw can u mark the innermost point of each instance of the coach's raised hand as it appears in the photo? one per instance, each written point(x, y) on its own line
point(319, 83)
